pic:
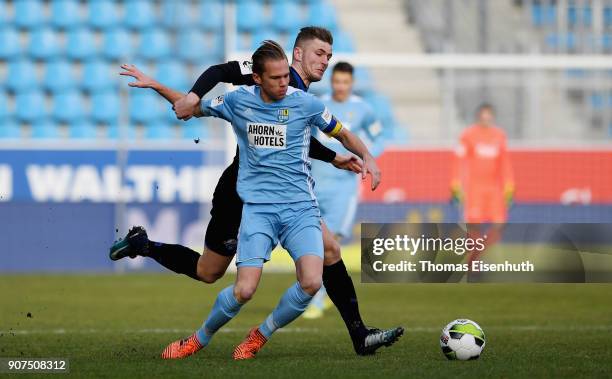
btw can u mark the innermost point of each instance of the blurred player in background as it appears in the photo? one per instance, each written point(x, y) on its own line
point(482, 178)
point(338, 212)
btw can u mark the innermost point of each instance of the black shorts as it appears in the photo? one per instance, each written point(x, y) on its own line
point(222, 231)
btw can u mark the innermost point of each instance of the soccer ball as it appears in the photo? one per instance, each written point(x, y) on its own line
point(462, 339)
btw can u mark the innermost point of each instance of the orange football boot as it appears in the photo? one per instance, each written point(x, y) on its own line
point(182, 348)
point(253, 342)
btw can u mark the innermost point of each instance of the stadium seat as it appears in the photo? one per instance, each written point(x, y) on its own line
point(323, 14)
point(65, 14)
point(145, 107)
point(82, 130)
point(155, 44)
point(68, 107)
point(607, 17)
point(261, 35)
point(105, 107)
point(117, 44)
point(579, 15)
point(172, 74)
point(9, 42)
point(28, 13)
point(30, 106)
point(543, 14)
point(159, 131)
point(4, 106)
point(343, 43)
point(22, 75)
point(97, 76)
point(175, 14)
point(114, 131)
point(10, 130)
point(45, 130)
point(60, 76)
point(139, 14)
point(286, 16)
point(102, 14)
point(43, 44)
point(210, 15)
point(195, 129)
point(80, 44)
point(561, 41)
point(250, 16)
point(211, 46)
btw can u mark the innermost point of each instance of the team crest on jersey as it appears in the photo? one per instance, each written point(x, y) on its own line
point(267, 136)
point(283, 115)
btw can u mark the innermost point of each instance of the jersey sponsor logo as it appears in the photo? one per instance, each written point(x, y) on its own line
point(246, 68)
point(326, 116)
point(283, 115)
point(486, 150)
point(267, 136)
point(216, 101)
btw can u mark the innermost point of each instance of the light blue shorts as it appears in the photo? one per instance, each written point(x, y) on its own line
point(338, 211)
point(296, 225)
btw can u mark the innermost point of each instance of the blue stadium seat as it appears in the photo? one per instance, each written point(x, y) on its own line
point(210, 15)
point(579, 15)
point(145, 107)
point(543, 14)
point(139, 14)
point(155, 44)
point(102, 14)
point(286, 16)
point(210, 47)
point(97, 76)
point(9, 42)
point(250, 16)
point(60, 76)
point(323, 14)
point(343, 43)
point(607, 16)
point(159, 131)
point(80, 44)
point(45, 130)
point(22, 75)
point(128, 132)
point(175, 14)
point(195, 129)
point(65, 14)
point(173, 74)
point(68, 107)
point(261, 35)
point(117, 44)
point(561, 41)
point(597, 100)
point(105, 107)
point(4, 106)
point(28, 13)
point(43, 44)
point(82, 130)
point(30, 106)
point(10, 130)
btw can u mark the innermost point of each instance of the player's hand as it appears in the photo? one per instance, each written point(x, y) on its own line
point(348, 162)
point(142, 80)
point(184, 108)
point(370, 167)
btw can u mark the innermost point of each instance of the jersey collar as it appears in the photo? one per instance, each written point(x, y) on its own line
point(298, 80)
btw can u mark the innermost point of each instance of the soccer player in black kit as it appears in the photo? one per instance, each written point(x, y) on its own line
point(311, 54)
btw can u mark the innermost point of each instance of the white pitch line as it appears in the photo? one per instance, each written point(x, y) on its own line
point(515, 328)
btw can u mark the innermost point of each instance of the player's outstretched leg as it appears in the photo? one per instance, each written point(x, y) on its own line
point(341, 291)
point(177, 258)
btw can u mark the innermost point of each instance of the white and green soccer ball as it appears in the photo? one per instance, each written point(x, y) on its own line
point(462, 339)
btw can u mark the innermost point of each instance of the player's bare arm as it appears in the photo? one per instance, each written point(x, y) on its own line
point(144, 81)
point(356, 146)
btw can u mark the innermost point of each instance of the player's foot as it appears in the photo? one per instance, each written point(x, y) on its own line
point(313, 312)
point(253, 342)
point(182, 348)
point(135, 243)
point(376, 339)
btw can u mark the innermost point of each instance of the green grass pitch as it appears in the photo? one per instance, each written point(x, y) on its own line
point(117, 325)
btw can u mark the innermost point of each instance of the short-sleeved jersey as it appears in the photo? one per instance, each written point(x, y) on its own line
point(357, 116)
point(273, 140)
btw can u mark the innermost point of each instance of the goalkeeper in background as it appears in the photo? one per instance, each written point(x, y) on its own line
point(337, 211)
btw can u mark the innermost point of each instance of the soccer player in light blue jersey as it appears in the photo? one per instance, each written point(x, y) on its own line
point(338, 212)
point(272, 123)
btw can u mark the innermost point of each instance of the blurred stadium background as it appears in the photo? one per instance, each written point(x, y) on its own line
point(83, 156)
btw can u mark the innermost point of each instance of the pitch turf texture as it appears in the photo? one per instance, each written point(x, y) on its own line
point(117, 325)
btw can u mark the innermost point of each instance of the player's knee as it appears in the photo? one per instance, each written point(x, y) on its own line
point(244, 293)
point(332, 251)
point(208, 276)
point(311, 285)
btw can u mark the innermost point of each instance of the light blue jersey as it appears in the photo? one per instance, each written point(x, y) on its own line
point(273, 140)
point(338, 212)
